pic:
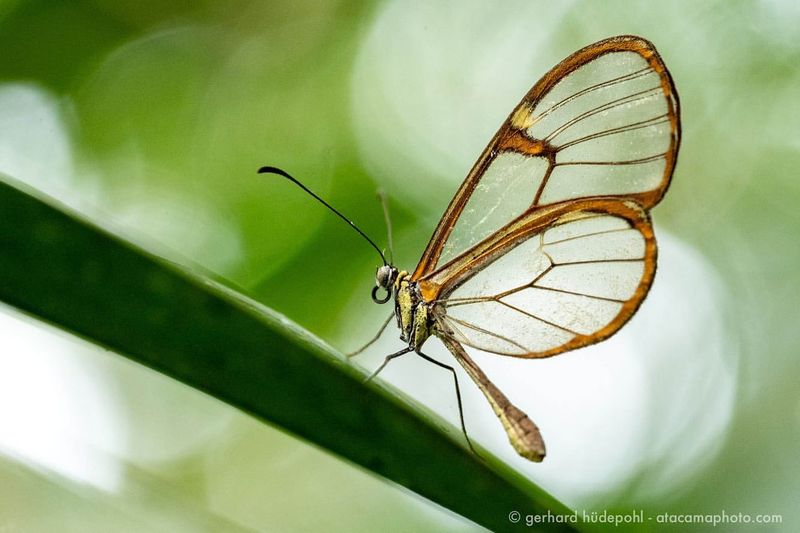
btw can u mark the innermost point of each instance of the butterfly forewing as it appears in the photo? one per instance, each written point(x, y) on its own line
point(604, 122)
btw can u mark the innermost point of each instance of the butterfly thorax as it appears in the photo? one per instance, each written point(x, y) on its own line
point(412, 311)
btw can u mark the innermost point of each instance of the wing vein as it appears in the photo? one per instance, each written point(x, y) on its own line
point(465, 301)
point(635, 97)
point(503, 294)
point(633, 75)
point(485, 331)
point(622, 129)
point(591, 261)
point(612, 163)
point(540, 319)
point(580, 294)
point(588, 234)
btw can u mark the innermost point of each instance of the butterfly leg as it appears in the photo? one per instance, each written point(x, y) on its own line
point(458, 396)
point(374, 339)
point(389, 358)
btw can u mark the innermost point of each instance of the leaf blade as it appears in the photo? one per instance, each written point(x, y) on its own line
point(62, 269)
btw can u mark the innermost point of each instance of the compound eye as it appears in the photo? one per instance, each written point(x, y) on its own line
point(382, 276)
point(380, 300)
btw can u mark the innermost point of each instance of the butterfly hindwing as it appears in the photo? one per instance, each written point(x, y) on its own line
point(557, 284)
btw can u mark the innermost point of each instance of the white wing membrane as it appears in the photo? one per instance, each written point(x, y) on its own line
point(578, 313)
point(520, 333)
point(600, 180)
point(615, 280)
point(611, 137)
point(568, 282)
point(503, 193)
point(580, 92)
point(615, 245)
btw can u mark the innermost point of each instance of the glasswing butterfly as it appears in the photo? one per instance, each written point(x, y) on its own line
point(547, 246)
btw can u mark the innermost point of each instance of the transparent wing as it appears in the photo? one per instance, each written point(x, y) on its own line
point(569, 281)
point(602, 123)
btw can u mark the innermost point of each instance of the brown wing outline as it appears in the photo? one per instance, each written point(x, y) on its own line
point(602, 123)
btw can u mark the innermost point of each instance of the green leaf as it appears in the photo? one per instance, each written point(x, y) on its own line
point(64, 270)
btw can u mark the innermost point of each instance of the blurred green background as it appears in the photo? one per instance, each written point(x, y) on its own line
point(152, 117)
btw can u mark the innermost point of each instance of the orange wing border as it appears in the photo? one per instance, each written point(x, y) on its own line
point(511, 138)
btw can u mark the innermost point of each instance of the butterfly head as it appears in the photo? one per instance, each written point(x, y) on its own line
point(384, 279)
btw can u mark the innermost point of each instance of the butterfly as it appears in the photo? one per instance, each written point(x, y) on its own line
point(547, 246)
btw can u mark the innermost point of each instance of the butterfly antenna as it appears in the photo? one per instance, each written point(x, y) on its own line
point(388, 220)
point(279, 172)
